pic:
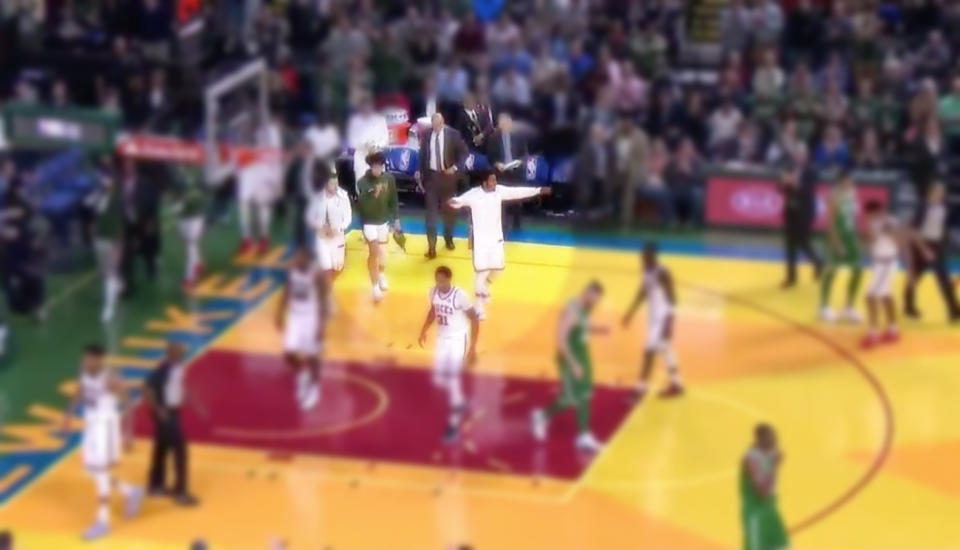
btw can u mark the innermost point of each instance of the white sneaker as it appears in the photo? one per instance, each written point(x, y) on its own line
point(311, 398)
point(827, 316)
point(850, 315)
point(538, 424)
point(377, 293)
point(382, 281)
point(132, 502)
point(95, 531)
point(587, 443)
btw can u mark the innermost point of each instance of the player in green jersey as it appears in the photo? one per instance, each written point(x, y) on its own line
point(377, 206)
point(191, 203)
point(762, 527)
point(574, 369)
point(843, 248)
point(108, 240)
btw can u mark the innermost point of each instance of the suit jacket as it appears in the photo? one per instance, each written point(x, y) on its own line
point(454, 150)
point(481, 129)
point(518, 150)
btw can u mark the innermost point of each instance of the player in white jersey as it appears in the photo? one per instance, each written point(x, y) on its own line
point(329, 215)
point(102, 397)
point(657, 291)
point(887, 241)
point(259, 184)
point(300, 317)
point(486, 213)
point(451, 309)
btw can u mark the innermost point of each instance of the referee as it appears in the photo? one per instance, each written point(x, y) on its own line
point(165, 393)
point(930, 225)
point(797, 182)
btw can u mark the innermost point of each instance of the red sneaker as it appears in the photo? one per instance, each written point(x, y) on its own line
point(263, 246)
point(890, 336)
point(197, 271)
point(870, 340)
point(671, 390)
point(243, 247)
point(186, 285)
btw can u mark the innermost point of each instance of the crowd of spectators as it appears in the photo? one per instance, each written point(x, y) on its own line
point(867, 84)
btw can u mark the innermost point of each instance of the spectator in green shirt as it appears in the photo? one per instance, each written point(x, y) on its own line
point(948, 108)
point(378, 209)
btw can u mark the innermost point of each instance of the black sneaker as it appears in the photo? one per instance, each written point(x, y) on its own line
point(450, 245)
point(185, 500)
point(158, 492)
point(450, 434)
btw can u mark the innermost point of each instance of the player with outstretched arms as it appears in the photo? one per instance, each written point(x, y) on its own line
point(656, 291)
point(486, 211)
point(300, 317)
point(451, 310)
point(106, 430)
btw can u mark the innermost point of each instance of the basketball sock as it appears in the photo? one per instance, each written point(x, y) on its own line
point(555, 408)
point(671, 363)
point(243, 212)
point(111, 288)
point(263, 214)
point(103, 513)
point(826, 284)
point(481, 290)
point(455, 394)
point(102, 482)
point(193, 257)
point(854, 284)
point(583, 416)
point(123, 488)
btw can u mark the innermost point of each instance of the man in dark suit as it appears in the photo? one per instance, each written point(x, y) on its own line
point(165, 394)
point(592, 168)
point(141, 209)
point(474, 122)
point(442, 150)
point(929, 251)
point(797, 182)
point(504, 148)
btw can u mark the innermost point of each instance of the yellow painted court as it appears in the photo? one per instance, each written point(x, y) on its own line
point(871, 439)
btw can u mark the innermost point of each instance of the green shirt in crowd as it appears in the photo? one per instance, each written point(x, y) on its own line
point(377, 201)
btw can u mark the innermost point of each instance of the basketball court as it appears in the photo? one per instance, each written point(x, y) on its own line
point(871, 440)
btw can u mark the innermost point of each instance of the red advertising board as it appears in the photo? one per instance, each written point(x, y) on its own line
point(750, 202)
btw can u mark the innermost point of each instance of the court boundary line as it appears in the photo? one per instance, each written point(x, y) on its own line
point(851, 359)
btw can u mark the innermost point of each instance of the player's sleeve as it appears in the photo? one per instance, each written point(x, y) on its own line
point(347, 218)
point(312, 217)
point(517, 193)
point(463, 200)
point(393, 201)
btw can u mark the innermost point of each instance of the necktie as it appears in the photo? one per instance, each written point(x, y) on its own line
point(437, 153)
point(507, 153)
